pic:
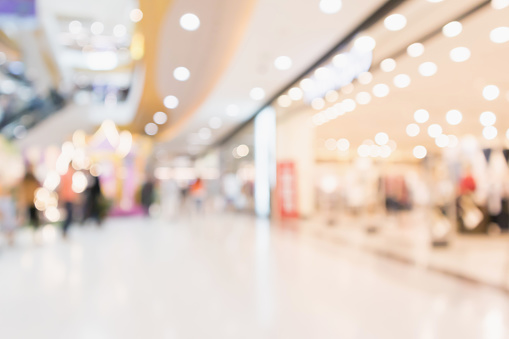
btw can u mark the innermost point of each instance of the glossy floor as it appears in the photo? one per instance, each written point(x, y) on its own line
point(228, 277)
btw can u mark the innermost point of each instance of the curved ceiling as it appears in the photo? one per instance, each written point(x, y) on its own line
point(206, 52)
point(277, 27)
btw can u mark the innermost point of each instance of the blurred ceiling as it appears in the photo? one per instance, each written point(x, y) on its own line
point(455, 86)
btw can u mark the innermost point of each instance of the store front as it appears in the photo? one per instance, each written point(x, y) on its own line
point(406, 124)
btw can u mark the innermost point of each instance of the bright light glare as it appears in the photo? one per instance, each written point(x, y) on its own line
point(413, 130)
point(283, 63)
point(488, 119)
point(381, 90)
point(454, 117)
point(171, 102)
point(318, 103)
point(459, 54)
point(364, 151)
point(388, 65)
point(160, 118)
point(257, 94)
point(136, 15)
point(499, 4)
point(434, 130)
point(79, 182)
point(75, 27)
point(365, 43)
point(330, 6)
point(190, 22)
point(340, 60)
point(151, 128)
point(295, 93)
point(452, 29)
point(232, 110)
point(365, 78)
point(181, 74)
point(215, 123)
point(363, 98)
point(402, 80)
point(242, 150)
point(343, 145)
point(395, 22)
point(442, 141)
point(490, 92)
point(428, 69)
point(125, 144)
point(421, 116)
point(101, 61)
point(382, 138)
point(489, 132)
point(97, 28)
point(500, 35)
point(420, 152)
point(415, 50)
point(119, 31)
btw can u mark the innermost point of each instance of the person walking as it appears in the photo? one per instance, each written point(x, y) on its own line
point(68, 198)
point(29, 186)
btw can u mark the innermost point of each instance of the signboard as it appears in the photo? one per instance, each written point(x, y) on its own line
point(287, 189)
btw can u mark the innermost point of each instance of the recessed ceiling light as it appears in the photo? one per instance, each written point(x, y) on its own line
point(488, 119)
point(340, 60)
point(190, 22)
point(343, 145)
point(442, 141)
point(318, 103)
point(459, 54)
point(415, 50)
point(136, 15)
point(363, 98)
point(420, 152)
point(75, 27)
point(330, 6)
point(395, 22)
point(388, 65)
point(97, 28)
point(119, 31)
point(365, 43)
point(381, 90)
point(454, 117)
point(171, 102)
point(295, 93)
point(257, 94)
point(215, 123)
point(382, 138)
point(160, 118)
point(491, 92)
point(181, 74)
point(413, 130)
point(283, 63)
point(232, 110)
point(402, 80)
point(365, 78)
point(499, 4)
point(348, 105)
point(428, 69)
point(307, 84)
point(452, 29)
point(489, 132)
point(151, 128)
point(421, 116)
point(434, 130)
point(500, 35)
point(204, 133)
point(332, 96)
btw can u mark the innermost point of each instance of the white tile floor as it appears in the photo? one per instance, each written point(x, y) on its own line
point(229, 277)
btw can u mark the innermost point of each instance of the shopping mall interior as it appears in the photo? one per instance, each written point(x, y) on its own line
point(184, 169)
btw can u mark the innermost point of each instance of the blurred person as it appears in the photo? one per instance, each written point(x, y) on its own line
point(8, 220)
point(147, 195)
point(197, 191)
point(29, 186)
point(93, 202)
point(68, 197)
